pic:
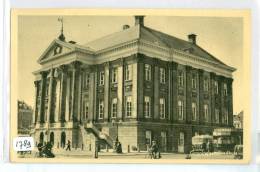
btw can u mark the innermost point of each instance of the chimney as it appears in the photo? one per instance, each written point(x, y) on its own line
point(125, 27)
point(139, 20)
point(72, 42)
point(192, 38)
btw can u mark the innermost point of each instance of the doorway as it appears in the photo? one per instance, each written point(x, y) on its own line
point(163, 141)
point(181, 142)
point(52, 138)
point(63, 139)
point(41, 137)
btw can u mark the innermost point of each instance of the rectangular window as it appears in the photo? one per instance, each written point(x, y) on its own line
point(86, 109)
point(101, 78)
point(114, 75)
point(87, 80)
point(163, 142)
point(148, 137)
point(225, 117)
point(129, 106)
point(147, 107)
point(225, 89)
point(180, 79)
point(194, 111)
point(114, 108)
point(216, 87)
point(147, 68)
point(217, 116)
point(206, 84)
point(162, 108)
point(162, 75)
point(206, 113)
point(101, 109)
point(128, 72)
point(180, 110)
point(193, 82)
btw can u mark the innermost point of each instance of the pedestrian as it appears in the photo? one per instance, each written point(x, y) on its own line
point(40, 147)
point(204, 147)
point(155, 150)
point(119, 148)
point(208, 146)
point(68, 146)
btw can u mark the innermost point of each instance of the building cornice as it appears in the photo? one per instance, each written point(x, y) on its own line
point(148, 48)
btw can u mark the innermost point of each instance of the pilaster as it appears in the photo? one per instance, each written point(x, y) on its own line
point(106, 91)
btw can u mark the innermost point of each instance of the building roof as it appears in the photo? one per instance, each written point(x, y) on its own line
point(23, 106)
point(141, 32)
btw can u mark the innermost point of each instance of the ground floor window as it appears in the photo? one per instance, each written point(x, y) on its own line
point(101, 109)
point(114, 108)
point(163, 141)
point(129, 106)
point(148, 137)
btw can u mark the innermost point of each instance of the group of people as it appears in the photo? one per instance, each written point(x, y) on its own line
point(154, 151)
point(45, 149)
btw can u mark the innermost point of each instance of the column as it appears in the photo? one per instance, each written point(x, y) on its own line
point(188, 94)
point(212, 97)
point(140, 86)
point(72, 93)
point(201, 96)
point(57, 100)
point(50, 97)
point(79, 101)
point(120, 82)
point(134, 90)
point(106, 91)
point(40, 118)
point(155, 99)
point(230, 101)
point(174, 84)
point(67, 102)
point(168, 105)
point(92, 94)
point(62, 103)
point(74, 90)
point(222, 99)
point(35, 113)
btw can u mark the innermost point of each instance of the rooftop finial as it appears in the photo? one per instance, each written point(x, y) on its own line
point(61, 37)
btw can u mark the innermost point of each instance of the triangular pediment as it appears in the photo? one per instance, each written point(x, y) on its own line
point(55, 49)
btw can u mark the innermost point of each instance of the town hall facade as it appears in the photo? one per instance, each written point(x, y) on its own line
point(136, 85)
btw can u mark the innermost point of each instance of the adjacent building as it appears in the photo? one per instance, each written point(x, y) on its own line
point(137, 85)
point(238, 120)
point(24, 119)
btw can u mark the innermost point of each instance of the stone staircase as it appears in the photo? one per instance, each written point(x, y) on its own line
point(98, 134)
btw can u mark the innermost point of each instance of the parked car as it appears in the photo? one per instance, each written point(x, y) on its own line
point(238, 152)
point(199, 143)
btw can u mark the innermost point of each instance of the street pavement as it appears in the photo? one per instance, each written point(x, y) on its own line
point(61, 153)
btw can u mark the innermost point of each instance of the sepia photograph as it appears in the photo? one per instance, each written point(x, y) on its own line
point(130, 86)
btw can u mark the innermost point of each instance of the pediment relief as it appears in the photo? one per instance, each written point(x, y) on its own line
point(56, 48)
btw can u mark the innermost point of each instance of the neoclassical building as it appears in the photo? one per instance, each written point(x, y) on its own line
point(136, 85)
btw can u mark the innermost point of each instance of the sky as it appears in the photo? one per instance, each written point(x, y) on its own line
point(220, 36)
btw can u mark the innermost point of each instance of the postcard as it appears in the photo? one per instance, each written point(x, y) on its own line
point(130, 86)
